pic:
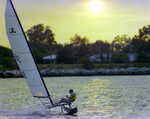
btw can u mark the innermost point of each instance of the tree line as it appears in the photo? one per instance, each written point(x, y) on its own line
point(42, 42)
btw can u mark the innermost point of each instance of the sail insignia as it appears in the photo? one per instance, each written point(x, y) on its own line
point(11, 30)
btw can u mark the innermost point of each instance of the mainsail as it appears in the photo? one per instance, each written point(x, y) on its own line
point(23, 54)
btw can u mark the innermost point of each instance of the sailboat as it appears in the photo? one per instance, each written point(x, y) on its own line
point(25, 58)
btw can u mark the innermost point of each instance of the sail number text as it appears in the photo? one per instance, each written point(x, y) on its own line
point(17, 58)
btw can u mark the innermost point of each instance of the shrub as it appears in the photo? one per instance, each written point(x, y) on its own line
point(87, 64)
point(9, 63)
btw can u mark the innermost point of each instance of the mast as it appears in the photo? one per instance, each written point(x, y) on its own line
point(43, 93)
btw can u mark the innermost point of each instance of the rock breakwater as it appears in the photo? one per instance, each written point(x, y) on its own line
point(81, 72)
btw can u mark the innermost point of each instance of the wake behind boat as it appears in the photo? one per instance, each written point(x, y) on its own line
point(25, 59)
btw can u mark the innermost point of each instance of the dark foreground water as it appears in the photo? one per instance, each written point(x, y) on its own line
point(98, 97)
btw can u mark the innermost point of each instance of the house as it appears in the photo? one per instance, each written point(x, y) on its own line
point(51, 59)
point(132, 56)
point(96, 57)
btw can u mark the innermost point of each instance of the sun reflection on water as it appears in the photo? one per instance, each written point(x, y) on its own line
point(97, 97)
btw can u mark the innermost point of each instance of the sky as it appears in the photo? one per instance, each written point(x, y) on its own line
point(67, 18)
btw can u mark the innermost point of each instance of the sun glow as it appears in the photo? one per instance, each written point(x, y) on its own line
point(95, 6)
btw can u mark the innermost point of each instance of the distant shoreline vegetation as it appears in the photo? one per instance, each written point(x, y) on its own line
point(80, 55)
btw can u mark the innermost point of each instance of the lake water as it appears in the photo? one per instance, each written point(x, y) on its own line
point(105, 97)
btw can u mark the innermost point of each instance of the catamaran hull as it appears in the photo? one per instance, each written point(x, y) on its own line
point(62, 105)
point(70, 111)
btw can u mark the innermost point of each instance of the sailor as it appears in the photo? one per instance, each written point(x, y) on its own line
point(69, 99)
point(72, 97)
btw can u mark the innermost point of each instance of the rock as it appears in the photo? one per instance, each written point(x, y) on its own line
point(70, 72)
point(17, 73)
point(62, 72)
point(8, 74)
point(77, 72)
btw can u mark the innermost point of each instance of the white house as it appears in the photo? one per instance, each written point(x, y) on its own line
point(50, 57)
point(132, 56)
point(98, 59)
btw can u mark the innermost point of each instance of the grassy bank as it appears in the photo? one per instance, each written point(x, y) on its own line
point(60, 66)
point(79, 66)
point(124, 65)
point(108, 65)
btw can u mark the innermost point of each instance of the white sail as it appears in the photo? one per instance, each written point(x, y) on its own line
point(22, 53)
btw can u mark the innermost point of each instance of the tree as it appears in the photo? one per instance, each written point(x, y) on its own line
point(147, 47)
point(83, 50)
point(78, 40)
point(138, 42)
point(141, 41)
point(143, 31)
point(36, 35)
point(80, 46)
point(96, 47)
point(5, 52)
point(50, 40)
point(41, 36)
point(142, 57)
point(119, 58)
point(119, 43)
point(64, 55)
point(8, 62)
point(106, 49)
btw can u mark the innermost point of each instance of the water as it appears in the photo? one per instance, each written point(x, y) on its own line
point(105, 97)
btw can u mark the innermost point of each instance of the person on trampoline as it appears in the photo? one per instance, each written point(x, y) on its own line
point(69, 99)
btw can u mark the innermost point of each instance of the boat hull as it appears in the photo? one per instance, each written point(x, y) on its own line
point(70, 111)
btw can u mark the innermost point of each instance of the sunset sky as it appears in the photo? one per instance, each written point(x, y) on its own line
point(69, 17)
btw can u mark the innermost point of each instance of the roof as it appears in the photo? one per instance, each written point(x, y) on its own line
point(48, 57)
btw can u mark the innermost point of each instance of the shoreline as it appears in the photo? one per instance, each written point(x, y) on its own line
point(80, 72)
